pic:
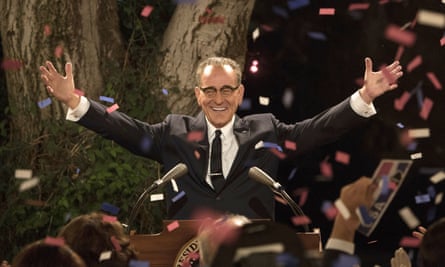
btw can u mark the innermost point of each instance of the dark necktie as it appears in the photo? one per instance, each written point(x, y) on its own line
point(216, 174)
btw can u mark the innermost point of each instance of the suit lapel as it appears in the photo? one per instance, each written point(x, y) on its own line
point(199, 125)
point(242, 134)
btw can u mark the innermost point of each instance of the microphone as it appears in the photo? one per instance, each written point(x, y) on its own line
point(260, 176)
point(177, 171)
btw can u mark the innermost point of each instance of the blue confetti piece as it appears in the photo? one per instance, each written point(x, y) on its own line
point(77, 171)
point(106, 99)
point(178, 196)
point(184, 1)
point(326, 205)
point(272, 145)
point(422, 199)
point(246, 104)
point(344, 260)
point(44, 103)
point(431, 191)
point(292, 174)
point(110, 208)
point(280, 11)
point(400, 125)
point(317, 36)
point(164, 91)
point(295, 4)
point(145, 143)
point(136, 263)
point(412, 146)
point(431, 214)
point(419, 94)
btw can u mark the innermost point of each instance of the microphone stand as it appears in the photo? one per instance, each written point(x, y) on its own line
point(292, 204)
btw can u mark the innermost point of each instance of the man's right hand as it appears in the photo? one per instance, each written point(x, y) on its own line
point(61, 87)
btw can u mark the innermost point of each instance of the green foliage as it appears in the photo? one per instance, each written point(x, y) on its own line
point(79, 170)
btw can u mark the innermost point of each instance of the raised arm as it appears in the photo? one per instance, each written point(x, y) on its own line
point(61, 87)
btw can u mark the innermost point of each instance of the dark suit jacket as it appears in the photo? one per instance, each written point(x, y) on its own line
point(167, 143)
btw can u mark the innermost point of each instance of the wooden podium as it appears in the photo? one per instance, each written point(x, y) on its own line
point(168, 249)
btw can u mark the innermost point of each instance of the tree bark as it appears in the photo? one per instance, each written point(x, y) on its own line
point(197, 31)
point(85, 33)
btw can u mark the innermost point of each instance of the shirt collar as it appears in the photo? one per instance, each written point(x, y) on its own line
point(227, 130)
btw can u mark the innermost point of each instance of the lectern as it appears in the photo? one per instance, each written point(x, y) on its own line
point(170, 249)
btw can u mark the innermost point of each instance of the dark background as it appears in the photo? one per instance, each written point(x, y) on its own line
point(320, 73)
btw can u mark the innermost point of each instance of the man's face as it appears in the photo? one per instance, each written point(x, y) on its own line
point(219, 109)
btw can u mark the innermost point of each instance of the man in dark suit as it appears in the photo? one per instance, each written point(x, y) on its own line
point(219, 92)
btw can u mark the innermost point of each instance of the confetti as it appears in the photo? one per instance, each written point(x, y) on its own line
point(281, 200)
point(106, 255)
point(110, 219)
point(341, 207)
point(288, 98)
point(11, 64)
point(278, 153)
point(422, 199)
point(146, 11)
point(431, 214)
point(145, 143)
point(346, 260)
point(164, 91)
point(300, 220)
point(110, 208)
point(442, 41)
point(419, 133)
point(409, 218)
point(44, 103)
point(399, 104)
point(280, 11)
point(246, 104)
point(28, 184)
point(54, 241)
point(409, 242)
point(329, 210)
point(426, 108)
point(326, 11)
point(46, 30)
point(197, 154)
point(296, 4)
point(156, 197)
point(264, 101)
point(414, 63)
point(395, 34)
point(58, 51)
point(358, 6)
point(116, 244)
point(292, 174)
point(399, 52)
point(431, 191)
point(79, 92)
point(106, 99)
point(23, 174)
point(342, 157)
point(438, 198)
point(326, 169)
point(438, 177)
point(290, 145)
point(432, 77)
point(195, 136)
point(416, 155)
point(172, 226)
point(262, 144)
point(256, 33)
point(178, 196)
point(112, 108)
point(137, 263)
point(430, 18)
point(317, 36)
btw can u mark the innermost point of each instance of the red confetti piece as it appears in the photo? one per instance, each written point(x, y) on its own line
point(11, 64)
point(108, 218)
point(395, 34)
point(172, 226)
point(266, 27)
point(277, 153)
point(410, 242)
point(58, 51)
point(372, 242)
point(46, 30)
point(281, 200)
point(382, 2)
point(326, 169)
point(414, 63)
point(331, 212)
point(392, 185)
point(195, 136)
point(116, 244)
point(326, 11)
point(360, 81)
point(426, 108)
point(399, 52)
point(54, 241)
point(388, 76)
point(400, 103)
point(290, 145)
point(300, 220)
point(79, 92)
point(442, 41)
point(342, 157)
point(358, 6)
point(303, 193)
point(112, 108)
point(434, 80)
point(197, 154)
point(146, 11)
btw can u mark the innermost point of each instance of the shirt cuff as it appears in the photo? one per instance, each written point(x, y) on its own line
point(77, 113)
point(361, 107)
point(341, 245)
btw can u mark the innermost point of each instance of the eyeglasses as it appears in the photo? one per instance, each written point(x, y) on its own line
point(225, 91)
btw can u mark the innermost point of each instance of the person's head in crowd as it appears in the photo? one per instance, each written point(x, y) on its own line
point(213, 232)
point(92, 237)
point(432, 247)
point(40, 254)
point(262, 244)
point(219, 91)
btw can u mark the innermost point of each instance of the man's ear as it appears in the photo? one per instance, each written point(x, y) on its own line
point(241, 94)
point(198, 95)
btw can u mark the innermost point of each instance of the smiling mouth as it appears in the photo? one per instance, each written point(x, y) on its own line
point(219, 109)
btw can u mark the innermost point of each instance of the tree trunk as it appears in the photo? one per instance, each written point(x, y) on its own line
point(197, 31)
point(84, 32)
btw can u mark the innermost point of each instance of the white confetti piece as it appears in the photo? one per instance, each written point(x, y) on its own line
point(256, 34)
point(106, 255)
point(438, 177)
point(265, 101)
point(156, 197)
point(430, 18)
point(29, 184)
point(416, 156)
point(438, 198)
point(419, 133)
point(409, 218)
point(23, 174)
